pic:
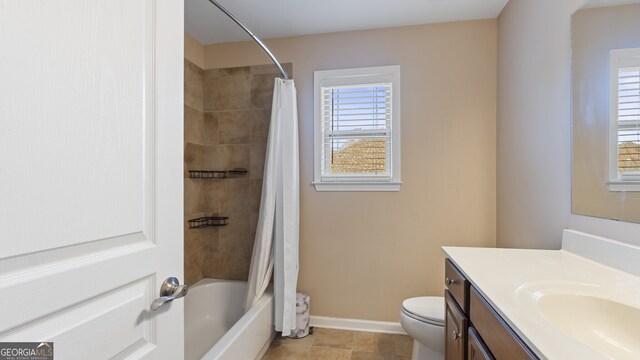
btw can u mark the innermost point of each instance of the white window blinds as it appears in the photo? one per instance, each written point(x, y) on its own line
point(356, 131)
point(628, 117)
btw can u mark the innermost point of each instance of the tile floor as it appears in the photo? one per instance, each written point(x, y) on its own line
point(329, 344)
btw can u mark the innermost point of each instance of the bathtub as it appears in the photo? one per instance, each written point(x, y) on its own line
point(215, 326)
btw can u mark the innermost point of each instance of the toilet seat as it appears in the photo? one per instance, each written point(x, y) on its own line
point(428, 309)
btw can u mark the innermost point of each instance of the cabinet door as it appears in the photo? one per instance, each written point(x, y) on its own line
point(477, 350)
point(455, 329)
point(498, 336)
point(457, 284)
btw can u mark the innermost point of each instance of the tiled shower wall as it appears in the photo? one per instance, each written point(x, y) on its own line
point(226, 124)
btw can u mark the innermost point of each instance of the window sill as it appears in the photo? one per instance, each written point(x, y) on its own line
point(357, 186)
point(617, 186)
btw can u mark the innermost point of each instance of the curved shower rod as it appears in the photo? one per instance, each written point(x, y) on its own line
point(253, 36)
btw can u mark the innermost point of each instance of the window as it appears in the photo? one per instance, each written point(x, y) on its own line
point(624, 131)
point(357, 129)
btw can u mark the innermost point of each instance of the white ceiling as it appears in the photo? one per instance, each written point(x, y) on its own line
point(604, 3)
point(282, 18)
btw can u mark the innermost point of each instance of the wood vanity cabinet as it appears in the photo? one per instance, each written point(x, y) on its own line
point(457, 285)
point(455, 329)
point(477, 350)
point(474, 331)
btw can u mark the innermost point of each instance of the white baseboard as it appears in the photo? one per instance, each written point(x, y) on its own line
point(357, 325)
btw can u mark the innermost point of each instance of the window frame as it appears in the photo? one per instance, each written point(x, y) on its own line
point(354, 77)
point(616, 181)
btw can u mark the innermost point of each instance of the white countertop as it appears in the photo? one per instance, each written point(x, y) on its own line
point(512, 280)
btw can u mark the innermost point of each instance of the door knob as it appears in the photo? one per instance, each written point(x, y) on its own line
point(169, 291)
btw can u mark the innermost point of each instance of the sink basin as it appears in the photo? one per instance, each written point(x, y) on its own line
point(604, 325)
point(601, 318)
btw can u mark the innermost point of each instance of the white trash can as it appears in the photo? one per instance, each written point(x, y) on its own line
point(302, 316)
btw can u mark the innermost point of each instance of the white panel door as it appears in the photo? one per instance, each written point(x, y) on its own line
point(91, 175)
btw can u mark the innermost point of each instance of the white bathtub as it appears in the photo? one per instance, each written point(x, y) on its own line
point(215, 327)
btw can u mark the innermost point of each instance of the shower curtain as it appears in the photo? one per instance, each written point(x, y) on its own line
point(275, 249)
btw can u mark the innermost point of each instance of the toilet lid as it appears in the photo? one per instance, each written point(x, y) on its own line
point(429, 308)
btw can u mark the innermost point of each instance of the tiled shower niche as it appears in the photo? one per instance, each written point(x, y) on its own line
point(226, 124)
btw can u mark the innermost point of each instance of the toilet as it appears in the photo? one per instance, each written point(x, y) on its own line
point(423, 319)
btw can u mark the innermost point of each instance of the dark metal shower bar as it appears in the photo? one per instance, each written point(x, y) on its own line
point(253, 36)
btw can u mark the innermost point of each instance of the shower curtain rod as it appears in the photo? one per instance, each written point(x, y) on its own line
point(253, 36)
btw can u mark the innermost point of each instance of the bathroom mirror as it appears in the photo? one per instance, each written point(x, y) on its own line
point(606, 110)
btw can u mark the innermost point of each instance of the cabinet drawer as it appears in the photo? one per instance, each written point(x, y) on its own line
point(457, 285)
point(477, 350)
point(455, 329)
point(503, 342)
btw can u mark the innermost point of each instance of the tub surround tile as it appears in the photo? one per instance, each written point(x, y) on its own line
point(258, 153)
point(219, 157)
point(227, 115)
point(193, 240)
point(211, 196)
point(262, 91)
point(192, 273)
point(260, 120)
point(254, 223)
point(288, 68)
point(235, 196)
point(200, 128)
point(263, 69)
point(227, 92)
point(210, 74)
point(210, 129)
point(231, 257)
point(233, 71)
point(208, 102)
point(235, 248)
point(235, 156)
point(194, 199)
point(210, 266)
point(256, 195)
point(199, 239)
point(237, 235)
point(234, 127)
point(193, 85)
point(193, 125)
point(200, 157)
point(193, 265)
point(211, 238)
point(229, 265)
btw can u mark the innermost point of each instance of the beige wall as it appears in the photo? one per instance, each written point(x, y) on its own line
point(193, 50)
point(534, 132)
point(534, 138)
point(361, 254)
point(594, 33)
